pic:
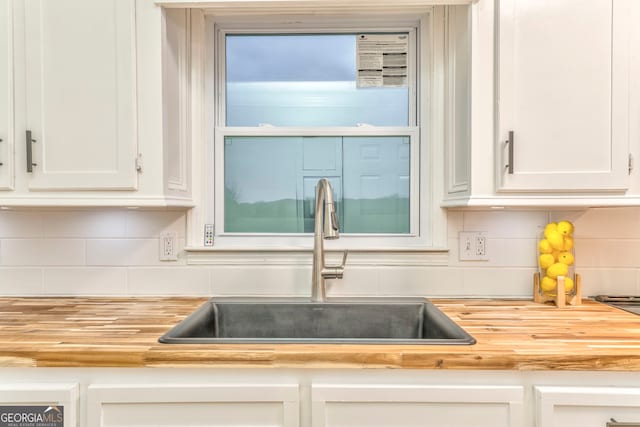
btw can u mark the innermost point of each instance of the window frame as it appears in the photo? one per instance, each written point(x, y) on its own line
point(422, 197)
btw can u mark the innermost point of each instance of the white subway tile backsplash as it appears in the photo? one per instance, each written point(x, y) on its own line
point(609, 281)
point(43, 252)
point(186, 281)
point(607, 253)
point(420, 281)
point(85, 281)
point(85, 224)
point(605, 223)
point(498, 282)
point(261, 280)
point(506, 224)
point(455, 224)
point(21, 281)
point(116, 252)
point(357, 281)
point(145, 224)
point(127, 252)
point(21, 225)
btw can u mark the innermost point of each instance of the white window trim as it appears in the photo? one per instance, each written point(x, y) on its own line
point(432, 223)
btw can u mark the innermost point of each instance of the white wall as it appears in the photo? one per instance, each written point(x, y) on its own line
point(115, 252)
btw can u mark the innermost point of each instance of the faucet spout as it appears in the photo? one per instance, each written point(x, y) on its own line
point(326, 227)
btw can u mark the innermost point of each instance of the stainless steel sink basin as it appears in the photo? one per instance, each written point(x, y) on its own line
point(221, 322)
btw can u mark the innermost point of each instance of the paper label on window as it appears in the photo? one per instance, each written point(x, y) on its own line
point(382, 60)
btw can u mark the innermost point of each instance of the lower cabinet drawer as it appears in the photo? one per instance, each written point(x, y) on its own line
point(39, 403)
point(193, 405)
point(587, 406)
point(408, 406)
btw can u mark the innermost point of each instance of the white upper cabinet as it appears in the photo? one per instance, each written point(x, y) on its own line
point(80, 94)
point(82, 89)
point(563, 81)
point(6, 96)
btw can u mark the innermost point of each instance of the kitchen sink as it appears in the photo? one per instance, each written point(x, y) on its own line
point(360, 322)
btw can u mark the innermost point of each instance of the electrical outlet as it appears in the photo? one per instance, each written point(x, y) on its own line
point(209, 231)
point(473, 246)
point(168, 249)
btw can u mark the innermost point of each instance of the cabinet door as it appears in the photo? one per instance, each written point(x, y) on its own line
point(408, 406)
point(586, 406)
point(563, 91)
point(193, 405)
point(81, 93)
point(6, 95)
point(62, 396)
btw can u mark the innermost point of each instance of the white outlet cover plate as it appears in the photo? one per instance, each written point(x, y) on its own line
point(470, 248)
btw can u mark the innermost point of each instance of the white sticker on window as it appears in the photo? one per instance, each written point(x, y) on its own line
point(382, 60)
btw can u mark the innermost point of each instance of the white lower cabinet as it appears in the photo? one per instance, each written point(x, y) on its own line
point(232, 397)
point(587, 406)
point(193, 405)
point(63, 396)
point(336, 405)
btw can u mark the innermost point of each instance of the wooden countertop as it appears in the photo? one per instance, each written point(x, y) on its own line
point(123, 332)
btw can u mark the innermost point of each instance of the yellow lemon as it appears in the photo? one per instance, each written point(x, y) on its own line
point(546, 260)
point(555, 240)
point(555, 254)
point(547, 284)
point(565, 228)
point(568, 243)
point(552, 226)
point(566, 258)
point(568, 284)
point(557, 269)
point(545, 247)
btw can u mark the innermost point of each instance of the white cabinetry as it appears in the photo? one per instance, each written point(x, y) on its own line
point(41, 394)
point(563, 85)
point(193, 405)
point(559, 76)
point(336, 405)
point(79, 93)
point(6, 94)
point(586, 406)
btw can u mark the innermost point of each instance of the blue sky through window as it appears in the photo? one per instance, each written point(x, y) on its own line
point(261, 58)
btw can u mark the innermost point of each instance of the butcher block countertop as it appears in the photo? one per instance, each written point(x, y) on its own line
point(123, 332)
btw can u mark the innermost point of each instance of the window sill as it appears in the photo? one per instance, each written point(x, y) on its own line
point(296, 256)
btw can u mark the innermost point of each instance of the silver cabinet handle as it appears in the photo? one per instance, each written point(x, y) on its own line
point(614, 423)
point(1, 164)
point(509, 143)
point(30, 142)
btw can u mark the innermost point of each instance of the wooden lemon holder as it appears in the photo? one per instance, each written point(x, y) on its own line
point(560, 299)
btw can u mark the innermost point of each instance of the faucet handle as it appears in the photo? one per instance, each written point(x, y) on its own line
point(335, 271)
point(344, 259)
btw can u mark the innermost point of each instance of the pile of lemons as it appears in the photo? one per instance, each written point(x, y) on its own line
point(556, 255)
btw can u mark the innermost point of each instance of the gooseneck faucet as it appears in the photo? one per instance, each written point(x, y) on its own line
point(325, 215)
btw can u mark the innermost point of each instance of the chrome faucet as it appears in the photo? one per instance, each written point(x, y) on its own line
point(325, 214)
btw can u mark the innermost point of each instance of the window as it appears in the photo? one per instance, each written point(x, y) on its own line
point(292, 103)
